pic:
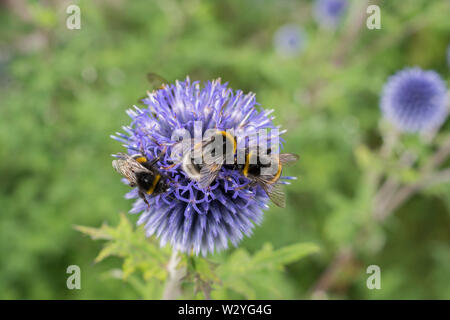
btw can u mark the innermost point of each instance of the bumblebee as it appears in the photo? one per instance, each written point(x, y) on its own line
point(265, 171)
point(211, 159)
point(142, 173)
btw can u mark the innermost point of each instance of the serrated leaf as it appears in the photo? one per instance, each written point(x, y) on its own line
point(205, 270)
point(102, 233)
point(139, 253)
point(243, 288)
point(267, 257)
point(108, 250)
point(242, 273)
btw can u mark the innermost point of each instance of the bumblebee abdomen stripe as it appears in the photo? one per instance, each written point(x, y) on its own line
point(277, 175)
point(230, 137)
point(154, 184)
point(247, 164)
point(141, 159)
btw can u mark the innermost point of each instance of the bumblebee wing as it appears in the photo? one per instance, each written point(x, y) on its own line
point(208, 173)
point(287, 159)
point(122, 155)
point(128, 168)
point(274, 191)
point(277, 195)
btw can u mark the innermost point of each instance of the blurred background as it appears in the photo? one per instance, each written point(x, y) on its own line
point(64, 92)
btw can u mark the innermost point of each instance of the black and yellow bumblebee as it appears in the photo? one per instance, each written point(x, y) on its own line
point(212, 156)
point(262, 169)
point(142, 173)
point(265, 171)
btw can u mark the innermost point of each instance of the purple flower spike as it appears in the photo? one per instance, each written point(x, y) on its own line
point(415, 100)
point(187, 217)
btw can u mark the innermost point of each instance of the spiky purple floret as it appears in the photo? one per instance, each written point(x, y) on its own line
point(328, 13)
point(186, 216)
point(415, 100)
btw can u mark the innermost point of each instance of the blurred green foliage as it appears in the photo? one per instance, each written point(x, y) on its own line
point(65, 91)
point(237, 276)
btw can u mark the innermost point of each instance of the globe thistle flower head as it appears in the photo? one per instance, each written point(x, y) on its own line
point(186, 216)
point(328, 13)
point(289, 40)
point(415, 100)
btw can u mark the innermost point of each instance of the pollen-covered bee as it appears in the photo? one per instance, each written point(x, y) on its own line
point(201, 161)
point(261, 169)
point(212, 156)
point(265, 171)
point(142, 173)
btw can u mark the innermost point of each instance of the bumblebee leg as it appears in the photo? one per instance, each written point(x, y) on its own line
point(169, 167)
point(241, 187)
point(247, 185)
point(142, 196)
point(155, 160)
point(143, 160)
point(172, 180)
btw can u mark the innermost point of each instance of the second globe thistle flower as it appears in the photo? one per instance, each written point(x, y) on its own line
point(328, 13)
point(289, 40)
point(415, 100)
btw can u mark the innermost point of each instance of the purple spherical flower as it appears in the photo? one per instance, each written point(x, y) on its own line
point(328, 13)
point(187, 216)
point(289, 40)
point(415, 100)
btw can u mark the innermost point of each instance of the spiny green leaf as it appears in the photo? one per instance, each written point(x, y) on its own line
point(139, 253)
point(267, 257)
point(205, 270)
point(242, 273)
point(102, 233)
point(108, 250)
